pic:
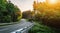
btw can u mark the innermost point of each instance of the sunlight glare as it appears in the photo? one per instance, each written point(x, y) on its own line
point(52, 1)
point(41, 0)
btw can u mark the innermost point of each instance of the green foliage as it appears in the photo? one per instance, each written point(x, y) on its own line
point(49, 15)
point(27, 14)
point(6, 19)
point(39, 28)
point(37, 17)
point(8, 12)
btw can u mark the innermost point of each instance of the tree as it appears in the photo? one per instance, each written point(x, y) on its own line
point(13, 11)
point(8, 12)
point(48, 14)
point(27, 14)
point(3, 10)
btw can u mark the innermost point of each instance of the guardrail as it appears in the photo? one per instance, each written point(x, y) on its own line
point(23, 30)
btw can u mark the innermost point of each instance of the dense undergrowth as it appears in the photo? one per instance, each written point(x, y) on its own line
point(40, 28)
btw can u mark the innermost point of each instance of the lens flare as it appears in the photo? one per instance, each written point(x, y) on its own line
point(52, 1)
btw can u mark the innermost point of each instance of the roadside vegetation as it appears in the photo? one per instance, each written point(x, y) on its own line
point(46, 17)
point(9, 12)
point(40, 28)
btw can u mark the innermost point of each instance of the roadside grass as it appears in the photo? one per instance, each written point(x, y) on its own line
point(40, 28)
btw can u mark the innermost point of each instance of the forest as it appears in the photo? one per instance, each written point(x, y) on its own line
point(9, 12)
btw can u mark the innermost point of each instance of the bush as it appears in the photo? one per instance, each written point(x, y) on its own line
point(38, 28)
point(52, 18)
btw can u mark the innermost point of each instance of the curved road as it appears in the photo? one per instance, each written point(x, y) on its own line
point(8, 29)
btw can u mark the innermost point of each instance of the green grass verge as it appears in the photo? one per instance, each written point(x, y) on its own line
point(40, 28)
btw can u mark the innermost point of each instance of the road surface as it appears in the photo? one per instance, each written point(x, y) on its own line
point(8, 29)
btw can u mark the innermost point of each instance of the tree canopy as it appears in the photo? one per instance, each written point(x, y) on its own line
point(8, 11)
point(48, 13)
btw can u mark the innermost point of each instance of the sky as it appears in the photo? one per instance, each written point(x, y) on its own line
point(23, 5)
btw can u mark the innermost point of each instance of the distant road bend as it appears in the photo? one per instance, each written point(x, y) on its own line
point(8, 29)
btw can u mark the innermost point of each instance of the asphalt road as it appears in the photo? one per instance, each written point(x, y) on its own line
point(8, 29)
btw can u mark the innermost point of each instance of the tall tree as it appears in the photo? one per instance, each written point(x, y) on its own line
point(8, 11)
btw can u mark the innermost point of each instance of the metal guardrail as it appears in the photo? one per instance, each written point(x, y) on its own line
point(23, 30)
